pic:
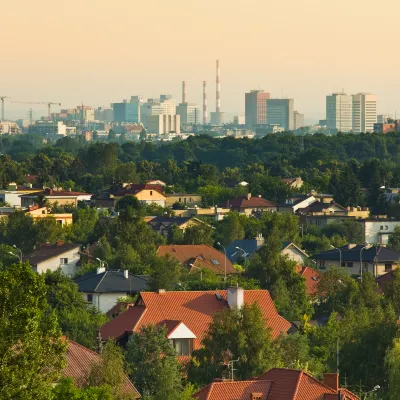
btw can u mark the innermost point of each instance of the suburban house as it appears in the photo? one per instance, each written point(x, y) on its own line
point(245, 248)
point(53, 256)
point(278, 384)
point(294, 183)
point(377, 260)
point(42, 212)
point(12, 194)
point(183, 198)
point(187, 315)
point(296, 202)
point(103, 288)
point(378, 230)
point(199, 257)
point(52, 196)
point(78, 364)
point(162, 225)
point(311, 277)
point(248, 204)
point(318, 208)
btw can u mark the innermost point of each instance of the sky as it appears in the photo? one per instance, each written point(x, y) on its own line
point(97, 52)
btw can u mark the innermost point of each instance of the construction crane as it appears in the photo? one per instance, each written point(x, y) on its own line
point(2, 98)
point(48, 103)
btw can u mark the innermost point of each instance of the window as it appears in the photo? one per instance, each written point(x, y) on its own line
point(151, 193)
point(343, 264)
point(59, 221)
point(388, 267)
point(215, 262)
point(63, 261)
point(349, 265)
point(89, 298)
point(322, 264)
point(183, 347)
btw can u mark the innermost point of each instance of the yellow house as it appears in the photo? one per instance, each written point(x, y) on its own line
point(184, 198)
point(38, 213)
point(146, 194)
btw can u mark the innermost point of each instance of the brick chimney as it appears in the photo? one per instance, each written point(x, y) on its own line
point(248, 196)
point(332, 380)
point(60, 243)
point(256, 396)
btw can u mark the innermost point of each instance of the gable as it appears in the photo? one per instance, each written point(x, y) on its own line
point(181, 332)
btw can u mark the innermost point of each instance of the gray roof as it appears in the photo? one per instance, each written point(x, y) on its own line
point(48, 251)
point(111, 281)
point(167, 222)
point(372, 254)
point(249, 246)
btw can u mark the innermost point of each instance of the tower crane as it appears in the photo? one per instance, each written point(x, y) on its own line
point(48, 103)
point(2, 98)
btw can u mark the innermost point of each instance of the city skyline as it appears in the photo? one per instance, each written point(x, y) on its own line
point(93, 55)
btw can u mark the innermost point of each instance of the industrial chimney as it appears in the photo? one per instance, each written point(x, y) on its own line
point(183, 92)
point(205, 109)
point(218, 93)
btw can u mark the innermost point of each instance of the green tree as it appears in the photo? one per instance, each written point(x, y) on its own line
point(154, 367)
point(231, 228)
point(234, 334)
point(166, 273)
point(78, 320)
point(347, 188)
point(349, 228)
point(198, 234)
point(31, 348)
point(66, 390)
point(394, 239)
point(48, 230)
point(83, 228)
point(175, 235)
point(392, 361)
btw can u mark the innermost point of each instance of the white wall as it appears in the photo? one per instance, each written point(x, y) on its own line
point(379, 231)
point(294, 255)
point(104, 301)
point(54, 263)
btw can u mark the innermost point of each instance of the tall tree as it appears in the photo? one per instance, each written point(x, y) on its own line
point(31, 348)
point(392, 361)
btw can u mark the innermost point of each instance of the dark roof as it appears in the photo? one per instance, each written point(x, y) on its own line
point(167, 222)
point(46, 252)
point(51, 193)
point(136, 188)
point(245, 202)
point(250, 246)
point(317, 206)
point(372, 254)
point(111, 281)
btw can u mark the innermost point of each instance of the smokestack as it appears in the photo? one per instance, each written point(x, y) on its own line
point(218, 105)
point(183, 92)
point(205, 109)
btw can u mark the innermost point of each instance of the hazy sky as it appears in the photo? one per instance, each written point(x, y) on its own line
point(101, 51)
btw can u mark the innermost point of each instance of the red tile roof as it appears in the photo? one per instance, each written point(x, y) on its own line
point(79, 361)
point(56, 193)
point(246, 202)
point(194, 309)
point(200, 255)
point(236, 390)
point(311, 277)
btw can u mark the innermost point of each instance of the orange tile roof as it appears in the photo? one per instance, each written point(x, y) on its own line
point(236, 390)
point(79, 361)
point(311, 277)
point(194, 309)
point(200, 255)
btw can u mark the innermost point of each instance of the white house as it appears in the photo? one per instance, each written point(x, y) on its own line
point(51, 257)
point(103, 288)
point(377, 231)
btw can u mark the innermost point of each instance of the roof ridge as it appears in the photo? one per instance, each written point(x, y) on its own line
point(83, 347)
point(297, 385)
point(101, 280)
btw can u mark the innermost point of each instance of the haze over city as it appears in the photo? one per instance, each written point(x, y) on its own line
point(100, 52)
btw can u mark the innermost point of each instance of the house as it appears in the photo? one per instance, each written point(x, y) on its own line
point(187, 315)
point(162, 225)
point(385, 280)
point(248, 204)
point(318, 208)
point(183, 198)
point(311, 277)
point(247, 247)
point(103, 288)
point(145, 193)
point(377, 260)
point(377, 230)
point(37, 213)
point(296, 202)
point(294, 183)
point(278, 384)
point(52, 196)
point(51, 257)
point(78, 365)
point(199, 256)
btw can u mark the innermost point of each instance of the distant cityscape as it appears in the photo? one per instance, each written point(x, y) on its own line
point(163, 118)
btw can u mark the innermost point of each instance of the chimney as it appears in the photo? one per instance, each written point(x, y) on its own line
point(259, 196)
point(161, 291)
point(235, 297)
point(60, 243)
point(205, 107)
point(100, 270)
point(248, 196)
point(351, 246)
point(259, 239)
point(256, 396)
point(218, 92)
point(126, 274)
point(332, 381)
point(183, 92)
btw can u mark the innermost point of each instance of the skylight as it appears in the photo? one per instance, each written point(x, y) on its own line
point(215, 262)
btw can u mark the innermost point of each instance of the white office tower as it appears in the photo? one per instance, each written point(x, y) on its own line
point(163, 124)
point(298, 120)
point(163, 106)
point(217, 117)
point(189, 112)
point(339, 112)
point(364, 112)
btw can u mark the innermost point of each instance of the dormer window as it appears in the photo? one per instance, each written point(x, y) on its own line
point(183, 347)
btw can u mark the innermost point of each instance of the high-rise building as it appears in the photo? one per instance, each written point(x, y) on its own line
point(256, 108)
point(189, 112)
point(364, 112)
point(164, 123)
point(339, 112)
point(383, 118)
point(128, 111)
point(165, 106)
point(298, 120)
point(281, 112)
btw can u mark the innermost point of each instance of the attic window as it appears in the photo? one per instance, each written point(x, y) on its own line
point(215, 262)
point(218, 296)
